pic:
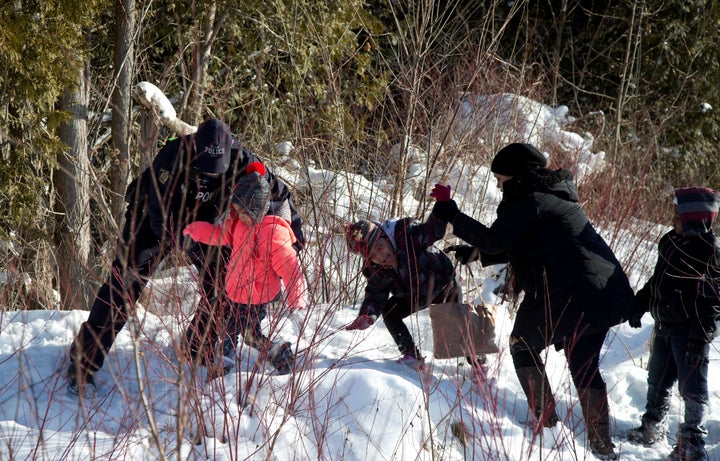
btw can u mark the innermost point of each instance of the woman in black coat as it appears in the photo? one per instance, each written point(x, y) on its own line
point(574, 287)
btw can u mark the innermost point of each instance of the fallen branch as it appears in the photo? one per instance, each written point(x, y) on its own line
point(152, 98)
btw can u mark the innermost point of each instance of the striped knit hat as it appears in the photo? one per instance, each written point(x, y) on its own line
point(361, 235)
point(252, 192)
point(697, 208)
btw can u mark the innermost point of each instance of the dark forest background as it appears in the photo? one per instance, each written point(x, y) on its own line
point(344, 80)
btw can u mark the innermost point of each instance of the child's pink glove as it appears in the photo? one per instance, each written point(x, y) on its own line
point(192, 230)
point(363, 322)
point(440, 193)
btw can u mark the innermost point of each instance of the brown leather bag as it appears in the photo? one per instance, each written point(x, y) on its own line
point(462, 330)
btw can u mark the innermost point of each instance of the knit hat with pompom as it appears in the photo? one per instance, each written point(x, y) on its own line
point(697, 208)
point(252, 192)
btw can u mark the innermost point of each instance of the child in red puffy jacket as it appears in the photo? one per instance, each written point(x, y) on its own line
point(262, 255)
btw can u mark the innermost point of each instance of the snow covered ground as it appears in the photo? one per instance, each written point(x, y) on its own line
point(348, 400)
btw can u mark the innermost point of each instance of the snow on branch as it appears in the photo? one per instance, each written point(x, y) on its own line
point(152, 98)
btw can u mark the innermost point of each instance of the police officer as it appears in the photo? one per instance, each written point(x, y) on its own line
point(191, 179)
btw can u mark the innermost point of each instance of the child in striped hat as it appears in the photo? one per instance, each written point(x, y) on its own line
point(697, 209)
point(682, 297)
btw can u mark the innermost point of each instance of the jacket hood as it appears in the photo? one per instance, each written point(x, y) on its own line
point(388, 228)
point(556, 182)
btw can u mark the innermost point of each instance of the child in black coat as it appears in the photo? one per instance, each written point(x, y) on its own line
point(405, 273)
point(682, 297)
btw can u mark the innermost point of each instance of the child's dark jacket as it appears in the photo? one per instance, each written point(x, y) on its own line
point(682, 292)
point(423, 271)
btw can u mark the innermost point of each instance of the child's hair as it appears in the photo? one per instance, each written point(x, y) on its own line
point(252, 192)
point(361, 235)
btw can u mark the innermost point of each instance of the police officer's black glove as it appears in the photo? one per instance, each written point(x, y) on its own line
point(464, 254)
point(635, 322)
point(695, 353)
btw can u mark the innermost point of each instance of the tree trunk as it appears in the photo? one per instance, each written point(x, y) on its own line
point(72, 184)
point(122, 104)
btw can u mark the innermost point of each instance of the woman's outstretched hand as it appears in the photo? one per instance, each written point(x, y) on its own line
point(445, 208)
point(441, 193)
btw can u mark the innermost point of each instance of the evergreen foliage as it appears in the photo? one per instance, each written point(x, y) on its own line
point(653, 65)
point(39, 41)
point(347, 79)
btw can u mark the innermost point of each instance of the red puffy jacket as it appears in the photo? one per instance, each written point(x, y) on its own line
point(261, 256)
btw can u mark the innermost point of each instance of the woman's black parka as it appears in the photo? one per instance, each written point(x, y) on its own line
point(571, 281)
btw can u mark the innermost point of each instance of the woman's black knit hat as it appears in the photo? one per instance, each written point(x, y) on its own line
point(517, 158)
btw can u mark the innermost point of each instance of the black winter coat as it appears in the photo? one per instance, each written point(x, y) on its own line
point(174, 196)
point(423, 271)
point(572, 282)
point(683, 289)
